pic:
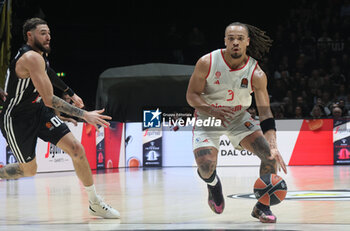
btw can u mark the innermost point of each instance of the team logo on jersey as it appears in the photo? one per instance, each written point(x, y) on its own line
point(248, 124)
point(49, 125)
point(217, 74)
point(244, 83)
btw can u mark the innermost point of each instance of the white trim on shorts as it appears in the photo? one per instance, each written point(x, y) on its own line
point(8, 126)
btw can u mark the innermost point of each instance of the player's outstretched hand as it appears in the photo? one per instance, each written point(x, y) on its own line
point(96, 118)
point(275, 154)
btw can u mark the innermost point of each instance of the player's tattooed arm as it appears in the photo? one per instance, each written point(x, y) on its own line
point(62, 106)
point(11, 171)
point(262, 150)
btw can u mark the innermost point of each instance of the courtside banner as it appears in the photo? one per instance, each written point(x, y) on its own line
point(133, 144)
point(341, 141)
point(100, 148)
point(152, 147)
point(114, 145)
point(51, 158)
point(3, 145)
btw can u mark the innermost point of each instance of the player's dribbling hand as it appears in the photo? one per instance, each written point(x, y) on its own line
point(96, 118)
point(275, 154)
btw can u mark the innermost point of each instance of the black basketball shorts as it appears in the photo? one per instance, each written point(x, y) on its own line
point(22, 132)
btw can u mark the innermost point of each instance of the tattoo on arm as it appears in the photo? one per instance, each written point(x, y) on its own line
point(262, 149)
point(266, 167)
point(62, 106)
point(11, 171)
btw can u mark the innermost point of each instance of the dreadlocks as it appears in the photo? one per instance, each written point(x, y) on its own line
point(259, 44)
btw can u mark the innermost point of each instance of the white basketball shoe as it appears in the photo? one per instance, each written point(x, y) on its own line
point(101, 209)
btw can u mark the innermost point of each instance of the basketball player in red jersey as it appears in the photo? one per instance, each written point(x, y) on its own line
point(221, 87)
point(28, 114)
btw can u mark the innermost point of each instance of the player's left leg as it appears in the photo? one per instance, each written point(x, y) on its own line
point(257, 144)
point(75, 150)
point(57, 132)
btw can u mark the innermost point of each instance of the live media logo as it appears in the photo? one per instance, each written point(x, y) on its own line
point(152, 118)
point(155, 118)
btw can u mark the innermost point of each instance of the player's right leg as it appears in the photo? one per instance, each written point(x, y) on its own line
point(206, 159)
point(20, 134)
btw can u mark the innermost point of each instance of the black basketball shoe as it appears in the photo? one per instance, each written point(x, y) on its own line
point(263, 213)
point(215, 198)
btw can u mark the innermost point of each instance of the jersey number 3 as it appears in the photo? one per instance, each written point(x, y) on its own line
point(231, 95)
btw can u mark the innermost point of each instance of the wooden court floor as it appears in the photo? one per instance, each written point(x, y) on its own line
point(174, 199)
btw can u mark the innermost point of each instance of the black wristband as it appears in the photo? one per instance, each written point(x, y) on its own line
point(70, 92)
point(268, 124)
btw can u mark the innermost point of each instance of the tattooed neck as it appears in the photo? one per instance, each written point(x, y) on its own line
point(62, 106)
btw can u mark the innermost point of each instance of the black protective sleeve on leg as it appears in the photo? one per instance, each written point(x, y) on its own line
point(210, 179)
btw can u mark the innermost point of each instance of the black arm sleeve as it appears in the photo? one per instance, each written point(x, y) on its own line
point(56, 82)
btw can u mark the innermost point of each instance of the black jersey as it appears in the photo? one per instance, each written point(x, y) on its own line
point(22, 98)
point(24, 117)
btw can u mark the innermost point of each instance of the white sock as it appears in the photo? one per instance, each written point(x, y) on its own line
point(91, 191)
point(214, 182)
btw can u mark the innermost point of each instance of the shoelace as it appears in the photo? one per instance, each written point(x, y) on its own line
point(103, 204)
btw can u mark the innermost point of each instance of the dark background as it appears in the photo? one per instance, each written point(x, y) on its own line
point(89, 37)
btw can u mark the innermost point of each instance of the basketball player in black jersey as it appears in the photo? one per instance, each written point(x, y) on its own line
point(28, 110)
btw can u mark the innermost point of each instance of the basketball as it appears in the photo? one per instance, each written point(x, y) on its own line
point(270, 189)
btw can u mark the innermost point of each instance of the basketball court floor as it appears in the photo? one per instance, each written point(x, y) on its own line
point(175, 199)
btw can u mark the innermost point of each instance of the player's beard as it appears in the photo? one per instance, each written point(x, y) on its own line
point(41, 47)
point(236, 56)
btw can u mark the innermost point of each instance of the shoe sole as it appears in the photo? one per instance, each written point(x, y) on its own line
point(263, 220)
point(216, 209)
point(94, 213)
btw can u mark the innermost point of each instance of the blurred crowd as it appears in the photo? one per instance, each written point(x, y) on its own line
point(308, 67)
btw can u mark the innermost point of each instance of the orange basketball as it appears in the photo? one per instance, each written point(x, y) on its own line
point(270, 189)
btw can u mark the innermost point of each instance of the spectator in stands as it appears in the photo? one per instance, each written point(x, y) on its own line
point(347, 103)
point(341, 92)
point(341, 105)
point(316, 112)
point(288, 107)
point(324, 110)
point(324, 42)
point(336, 113)
point(298, 112)
point(303, 105)
point(278, 91)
